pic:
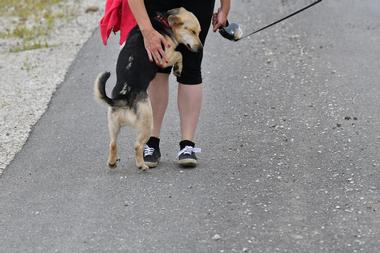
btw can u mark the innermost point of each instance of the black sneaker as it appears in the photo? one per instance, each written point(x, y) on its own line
point(151, 156)
point(187, 157)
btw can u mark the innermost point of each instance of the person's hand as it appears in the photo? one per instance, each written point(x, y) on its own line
point(154, 43)
point(219, 19)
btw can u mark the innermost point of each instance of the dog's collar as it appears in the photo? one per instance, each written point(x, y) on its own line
point(163, 19)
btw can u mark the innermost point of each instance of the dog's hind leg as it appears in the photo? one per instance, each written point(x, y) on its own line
point(114, 130)
point(144, 126)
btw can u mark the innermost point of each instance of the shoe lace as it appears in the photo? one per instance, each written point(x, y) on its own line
point(188, 150)
point(148, 150)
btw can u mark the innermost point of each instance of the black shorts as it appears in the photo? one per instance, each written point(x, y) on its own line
point(203, 10)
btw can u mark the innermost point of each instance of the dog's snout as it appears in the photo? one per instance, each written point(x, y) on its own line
point(198, 48)
point(195, 48)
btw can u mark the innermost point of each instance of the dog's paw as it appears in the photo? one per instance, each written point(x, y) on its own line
point(112, 165)
point(177, 70)
point(143, 167)
point(176, 73)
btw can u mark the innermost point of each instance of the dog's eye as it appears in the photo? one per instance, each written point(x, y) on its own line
point(185, 27)
point(194, 33)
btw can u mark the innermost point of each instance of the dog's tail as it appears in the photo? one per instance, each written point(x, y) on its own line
point(100, 88)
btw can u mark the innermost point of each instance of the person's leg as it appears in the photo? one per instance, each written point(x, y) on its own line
point(158, 92)
point(190, 85)
point(189, 107)
point(190, 82)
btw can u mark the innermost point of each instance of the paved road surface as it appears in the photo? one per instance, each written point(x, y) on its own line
point(290, 133)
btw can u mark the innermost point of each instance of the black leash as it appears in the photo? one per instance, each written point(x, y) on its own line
point(232, 31)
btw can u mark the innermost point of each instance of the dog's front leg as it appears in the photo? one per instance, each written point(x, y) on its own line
point(144, 126)
point(114, 130)
point(174, 59)
point(178, 65)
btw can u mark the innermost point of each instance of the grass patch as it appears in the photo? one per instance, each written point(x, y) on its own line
point(25, 33)
point(35, 21)
point(28, 46)
point(25, 9)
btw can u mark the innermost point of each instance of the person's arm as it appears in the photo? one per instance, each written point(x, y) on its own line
point(153, 40)
point(220, 18)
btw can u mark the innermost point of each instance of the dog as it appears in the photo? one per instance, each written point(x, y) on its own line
point(130, 104)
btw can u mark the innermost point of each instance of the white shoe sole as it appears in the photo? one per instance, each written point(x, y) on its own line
point(152, 164)
point(188, 163)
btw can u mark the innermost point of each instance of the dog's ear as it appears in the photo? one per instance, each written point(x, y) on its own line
point(174, 17)
point(174, 20)
point(175, 11)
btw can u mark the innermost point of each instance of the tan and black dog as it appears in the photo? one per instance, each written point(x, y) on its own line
point(130, 104)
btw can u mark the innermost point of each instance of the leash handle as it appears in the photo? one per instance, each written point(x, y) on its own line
point(278, 21)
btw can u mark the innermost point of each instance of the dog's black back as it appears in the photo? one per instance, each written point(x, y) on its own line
point(134, 69)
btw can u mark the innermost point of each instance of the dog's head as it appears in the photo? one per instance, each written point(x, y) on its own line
point(186, 28)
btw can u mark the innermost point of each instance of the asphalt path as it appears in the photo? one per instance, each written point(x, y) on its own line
point(290, 134)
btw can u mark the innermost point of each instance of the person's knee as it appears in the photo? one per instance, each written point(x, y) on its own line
point(190, 76)
point(161, 79)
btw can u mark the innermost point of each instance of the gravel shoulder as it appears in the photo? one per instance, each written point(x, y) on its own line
point(29, 78)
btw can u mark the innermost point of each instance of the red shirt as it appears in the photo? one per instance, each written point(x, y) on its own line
point(117, 17)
